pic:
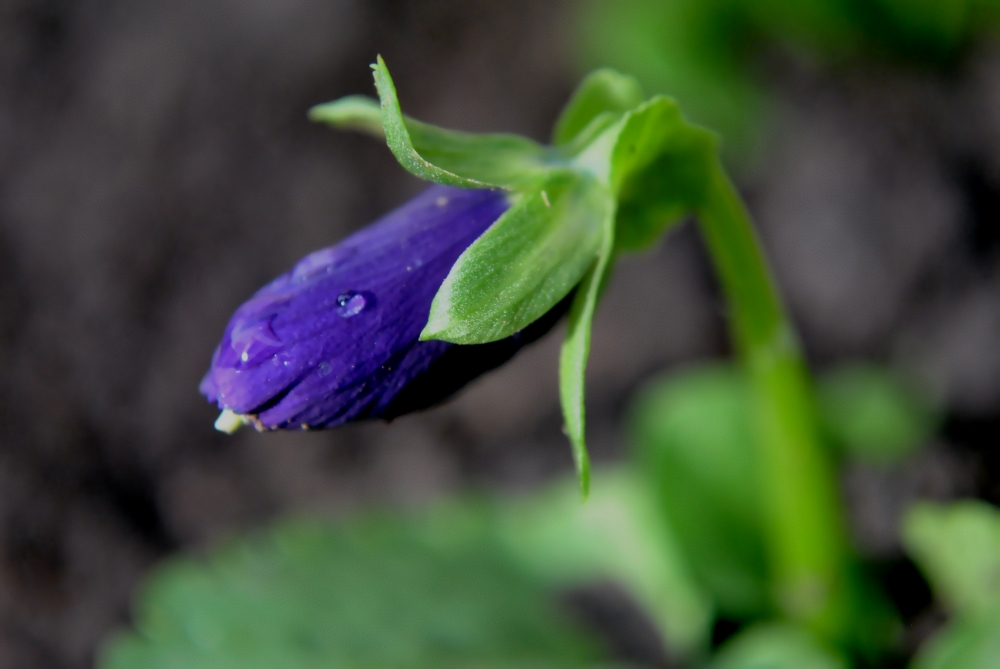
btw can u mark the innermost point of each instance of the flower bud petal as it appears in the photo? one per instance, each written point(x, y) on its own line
point(337, 337)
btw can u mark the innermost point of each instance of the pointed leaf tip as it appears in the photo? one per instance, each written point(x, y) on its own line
point(354, 112)
point(450, 157)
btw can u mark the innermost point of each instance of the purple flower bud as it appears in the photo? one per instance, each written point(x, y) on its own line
point(337, 338)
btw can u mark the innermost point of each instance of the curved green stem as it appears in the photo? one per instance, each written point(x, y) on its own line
point(806, 541)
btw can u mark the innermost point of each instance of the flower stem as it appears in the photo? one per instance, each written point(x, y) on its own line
point(805, 539)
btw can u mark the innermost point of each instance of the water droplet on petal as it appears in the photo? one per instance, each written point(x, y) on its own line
point(325, 369)
point(350, 304)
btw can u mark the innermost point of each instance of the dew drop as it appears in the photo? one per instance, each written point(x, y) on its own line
point(325, 369)
point(350, 304)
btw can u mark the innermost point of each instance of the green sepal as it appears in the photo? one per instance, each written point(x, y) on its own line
point(527, 261)
point(603, 92)
point(659, 169)
point(354, 112)
point(576, 349)
point(454, 158)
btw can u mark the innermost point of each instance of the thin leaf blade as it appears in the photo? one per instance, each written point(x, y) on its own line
point(461, 159)
point(576, 350)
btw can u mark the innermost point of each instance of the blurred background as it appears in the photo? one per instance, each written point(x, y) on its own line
point(157, 167)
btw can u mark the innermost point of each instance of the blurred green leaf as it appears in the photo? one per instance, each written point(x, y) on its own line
point(527, 261)
point(708, 53)
point(374, 593)
point(603, 91)
point(692, 437)
point(962, 644)
point(466, 160)
point(872, 415)
point(685, 49)
point(776, 646)
point(957, 546)
point(620, 534)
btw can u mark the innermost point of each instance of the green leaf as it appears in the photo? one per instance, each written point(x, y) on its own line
point(659, 169)
point(576, 349)
point(602, 92)
point(355, 112)
point(527, 261)
point(375, 593)
point(618, 535)
point(685, 48)
point(957, 546)
point(776, 646)
point(693, 438)
point(449, 157)
point(872, 415)
point(962, 644)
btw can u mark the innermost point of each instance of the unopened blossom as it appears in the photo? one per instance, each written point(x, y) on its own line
point(336, 338)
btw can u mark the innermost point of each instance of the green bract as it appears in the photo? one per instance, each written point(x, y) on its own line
point(621, 171)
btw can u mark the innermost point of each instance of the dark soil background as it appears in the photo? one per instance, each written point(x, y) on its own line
point(156, 167)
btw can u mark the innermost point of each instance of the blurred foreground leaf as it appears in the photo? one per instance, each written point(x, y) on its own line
point(872, 415)
point(776, 646)
point(957, 546)
point(618, 535)
point(963, 644)
point(374, 593)
point(693, 440)
point(709, 53)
